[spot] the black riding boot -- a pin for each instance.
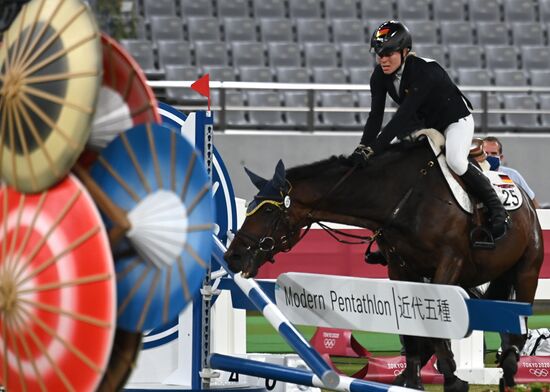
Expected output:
(479, 185)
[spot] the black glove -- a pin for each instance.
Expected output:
(361, 155)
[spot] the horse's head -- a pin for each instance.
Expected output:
(271, 225)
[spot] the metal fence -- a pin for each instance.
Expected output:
(313, 88)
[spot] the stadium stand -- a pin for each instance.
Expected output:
(240, 29)
(276, 30)
(331, 75)
(423, 31)
(293, 75)
(338, 120)
(232, 9)
(296, 99)
(196, 8)
(248, 54)
(312, 30)
(159, 8)
(457, 32)
(480, 43)
(465, 56)
(445, 10)
(527, 33)
(174, 52)
(341, 9)
(268, 8)
(304, 8)
(256, 74)
(408, 10)
(544, 100)
(203, 29)
(492, 33)
(348, 30)
(166, 27)
(267, 99)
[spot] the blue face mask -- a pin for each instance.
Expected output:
(494, 162)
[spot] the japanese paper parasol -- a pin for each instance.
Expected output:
(125, 98)
(155, 176)
(57, 290)
(50, 72)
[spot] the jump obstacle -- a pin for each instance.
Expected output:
(197, 127)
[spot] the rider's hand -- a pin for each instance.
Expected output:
(361, 155)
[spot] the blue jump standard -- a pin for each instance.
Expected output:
(330, 379)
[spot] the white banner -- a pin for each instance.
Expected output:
(376, 305)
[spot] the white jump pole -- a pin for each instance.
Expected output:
(252, 290)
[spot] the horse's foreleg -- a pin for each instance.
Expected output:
(448, 273)
(417, 352)
(501, 289)
(447, 366)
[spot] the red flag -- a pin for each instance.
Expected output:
(202, 86)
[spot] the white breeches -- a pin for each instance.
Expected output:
(458, 139)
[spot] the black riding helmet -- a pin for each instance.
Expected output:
(390, 36)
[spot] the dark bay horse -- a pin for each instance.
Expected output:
(403, 197)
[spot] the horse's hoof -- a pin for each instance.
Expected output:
(509, 365)
(457, 385)
(401, 380)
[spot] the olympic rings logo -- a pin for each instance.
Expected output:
(397, 372)
(539, 372)
(329, 343)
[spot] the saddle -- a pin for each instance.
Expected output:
(508, 193)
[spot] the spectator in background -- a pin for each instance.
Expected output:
(493, 148)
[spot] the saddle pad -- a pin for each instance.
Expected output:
(437, 141)
(507, 191)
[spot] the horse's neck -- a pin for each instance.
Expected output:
(363, 199)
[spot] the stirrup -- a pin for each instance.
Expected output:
(507, 223)
(481, 238)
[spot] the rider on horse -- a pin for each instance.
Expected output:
(427, 98)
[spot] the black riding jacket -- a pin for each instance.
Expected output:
(428, 98)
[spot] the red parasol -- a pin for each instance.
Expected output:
(57, 290)
(125, 98)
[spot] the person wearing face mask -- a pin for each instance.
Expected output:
(493, 149)
(427, 98)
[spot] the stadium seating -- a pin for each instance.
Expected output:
(348, 30)
(239, 29)
(255, 74)
(480, 42)
(312, 30)
(232, 9)
(196, 8)
(268, 8)
(338, 120)
(445, 10)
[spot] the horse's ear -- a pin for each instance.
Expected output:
(258, 181)
(279, 178)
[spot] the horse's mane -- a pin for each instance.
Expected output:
(336, 162)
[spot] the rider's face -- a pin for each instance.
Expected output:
(390, 62)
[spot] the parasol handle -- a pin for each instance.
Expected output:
(116, 214)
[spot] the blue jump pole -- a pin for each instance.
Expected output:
(293, 375)
(329, 378)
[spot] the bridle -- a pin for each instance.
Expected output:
(266, 245)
